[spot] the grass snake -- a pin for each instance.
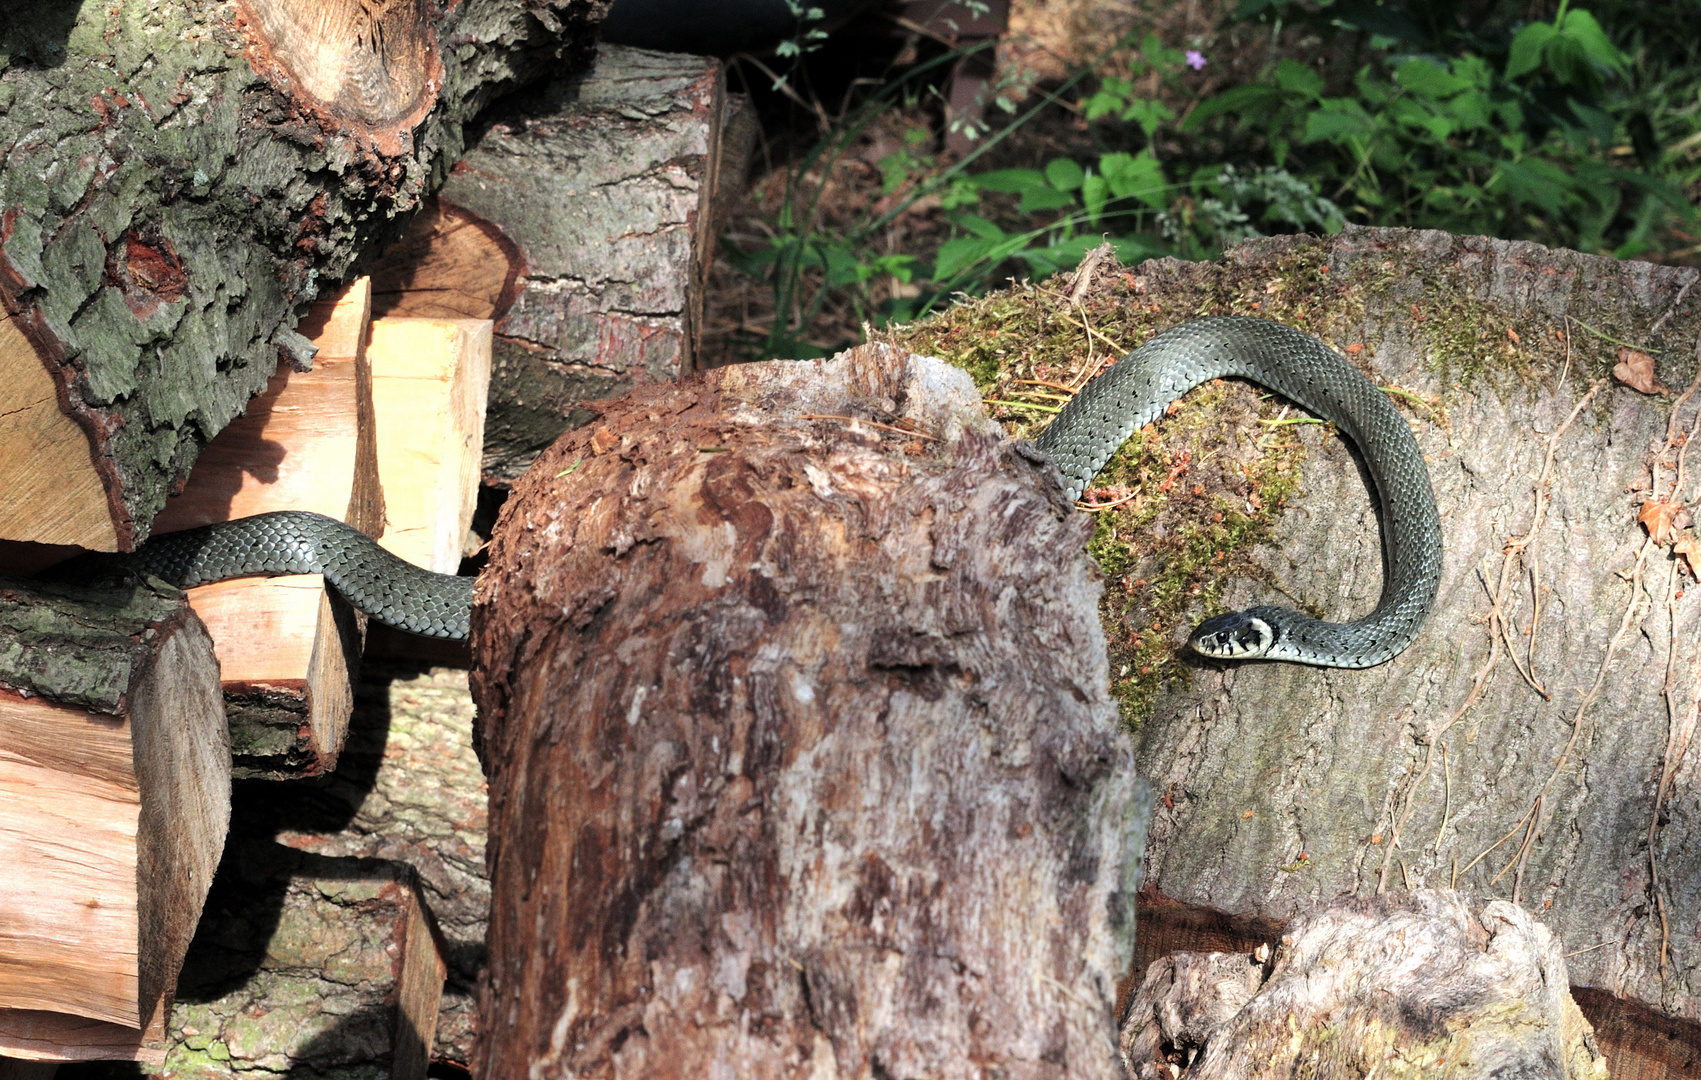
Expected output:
(1080, 440)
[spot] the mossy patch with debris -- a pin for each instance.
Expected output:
(1184, 503)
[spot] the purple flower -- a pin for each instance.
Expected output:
(1195, 59)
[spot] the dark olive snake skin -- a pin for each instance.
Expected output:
(1304, 370)
(387, 588)
(1081, 440)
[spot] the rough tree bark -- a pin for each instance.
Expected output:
(583, 226)
(1421, 982)
(1575, 790)
(178, 178)
(775, 703)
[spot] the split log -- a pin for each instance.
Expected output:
(289, 646)
(409, 789)
(114, 800)
(339, 965)
(1526, 746)
(793, 703)
(583, 227)
(430, 378)
(176, 179)
(1426, 983)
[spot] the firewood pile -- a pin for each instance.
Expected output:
(176, 381)
(785, 741)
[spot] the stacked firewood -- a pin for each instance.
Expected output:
(126, 715)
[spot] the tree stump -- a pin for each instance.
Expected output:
(1425, 983)
(793, 705)
(177, 179)
(1536, 743)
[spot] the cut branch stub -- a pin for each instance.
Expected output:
(783, 669)
(370, 65)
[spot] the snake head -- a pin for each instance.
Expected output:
(1234, 635)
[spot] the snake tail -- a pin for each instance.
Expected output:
(1137, 390)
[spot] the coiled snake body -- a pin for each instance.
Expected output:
(1080, 440)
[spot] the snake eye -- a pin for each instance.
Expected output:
(1223, 637)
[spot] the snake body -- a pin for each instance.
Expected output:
(1080, 440)
(387, 588)
(1296, 365)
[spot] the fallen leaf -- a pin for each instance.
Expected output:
(1656, 516)
(1355, 348)
(1636, 370)
(1513, 334)
(1690, 548)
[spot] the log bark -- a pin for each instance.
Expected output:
(1427, 983)
(782, 670)
(409, 789)
(583, 225)
(114, 800)
(306, 965)
(178, 180)
(1281, 787)
(289, 647)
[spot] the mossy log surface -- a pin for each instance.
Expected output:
(178, 179)
(84, 646)
(1536, 742)
(801, 759)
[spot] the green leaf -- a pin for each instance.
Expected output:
(841, 265)
(1010, 180)
(1337, 119)
(1430, 80)
(1296, 78)
(1569, 63)
(1064, 174)
(1526, 53)
(1239, 99)
(1150, 115)
(956, 254)
(1103, 103)
(1094, 194)
(1140, 177)
(979, 226)
(1044, 198)
(1599, 123)
(1581, 27)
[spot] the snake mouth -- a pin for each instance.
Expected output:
(1232, 636)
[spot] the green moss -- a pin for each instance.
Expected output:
(1194, 495)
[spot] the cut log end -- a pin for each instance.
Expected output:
(363, 65)
(111, 821)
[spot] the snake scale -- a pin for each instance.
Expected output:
(1080, 440)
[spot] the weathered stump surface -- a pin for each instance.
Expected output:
(1422, 982)
(800, 752)
(178, 178)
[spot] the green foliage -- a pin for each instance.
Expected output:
(1505, 130)
(1575, 131)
